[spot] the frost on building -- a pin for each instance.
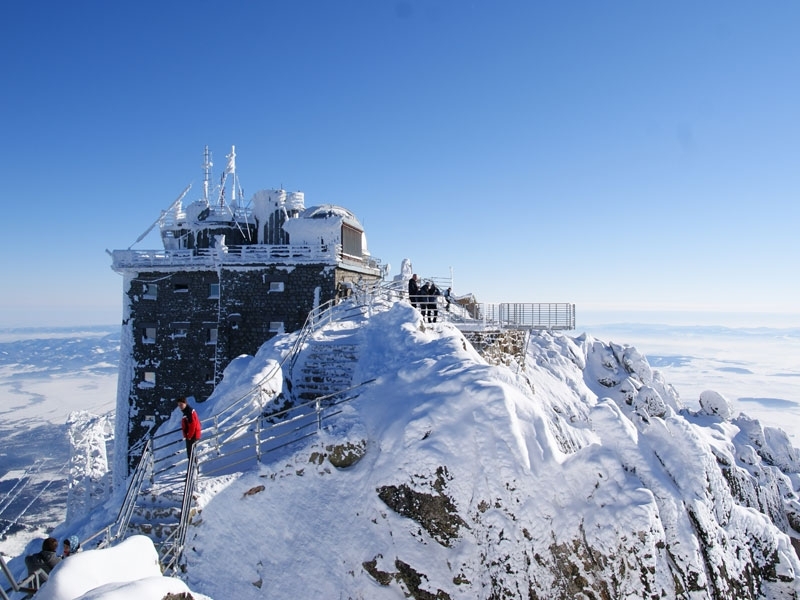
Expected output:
(231, 275)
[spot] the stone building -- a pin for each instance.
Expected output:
(230, 276)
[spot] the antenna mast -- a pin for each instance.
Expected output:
(207, 164)
(231, 168)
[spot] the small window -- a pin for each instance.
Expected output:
(149, 379)
(275, 286)
(149, 335)
(180, 287)
(150, 291)
(213, 291)
(211, 335)
(179, 329)
(276, 326)
(210, 377)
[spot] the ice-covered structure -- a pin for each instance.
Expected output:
(230, 276)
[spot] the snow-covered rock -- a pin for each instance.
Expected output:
(715, 404)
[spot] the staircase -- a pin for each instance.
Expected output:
(157, 513)
(327, 363)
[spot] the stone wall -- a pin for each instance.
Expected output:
(187, 326)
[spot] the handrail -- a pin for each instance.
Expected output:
(28, 585)
(126, 510)
(120, 524)
(318, 404)
(174, 547)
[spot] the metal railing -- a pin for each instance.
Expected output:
(521, 315)
(172, 547)
(247, 254)
(27, 585)
(116, 531)
(244, 442)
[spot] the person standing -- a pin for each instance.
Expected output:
(413, 290)
(447, 298)
(424, 300)
(190, 425)
(433, 303)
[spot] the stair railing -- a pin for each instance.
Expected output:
(263, 434)
(172, 547)
(27, 586)
(134, 488)
(115, 531)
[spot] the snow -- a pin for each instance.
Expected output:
(714, 403)
(587, 446)
(128, 571)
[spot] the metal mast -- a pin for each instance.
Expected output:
(231, 169)
(207, 164)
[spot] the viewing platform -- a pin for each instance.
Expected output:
(253, 254)
(514, 315)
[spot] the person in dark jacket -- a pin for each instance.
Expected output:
(425, 300)
(44, 560)
(433, 302)
(413, 290)
(190, 425)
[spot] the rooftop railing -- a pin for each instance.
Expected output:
(249, 254)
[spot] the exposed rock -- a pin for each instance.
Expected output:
(435, 512)
(346, 455)
(254, 490)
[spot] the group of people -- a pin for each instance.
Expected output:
(425, 298)
(45, 560)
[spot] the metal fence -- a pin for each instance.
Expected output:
(526, 315)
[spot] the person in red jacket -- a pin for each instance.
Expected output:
(190, 425)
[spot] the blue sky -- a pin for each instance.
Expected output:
(622, 155)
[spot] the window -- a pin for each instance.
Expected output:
(276, 326)
(149, 379)
(213, 291)
(211, 369)
(211, 335)
(275, 286)
(180, 286)
(150, 291)
(351, 241)
(179, 329)
(149, 335)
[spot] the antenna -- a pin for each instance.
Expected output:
(175, 204)
(207, 164)
(231, 168)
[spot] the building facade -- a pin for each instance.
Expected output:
(229, 278)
